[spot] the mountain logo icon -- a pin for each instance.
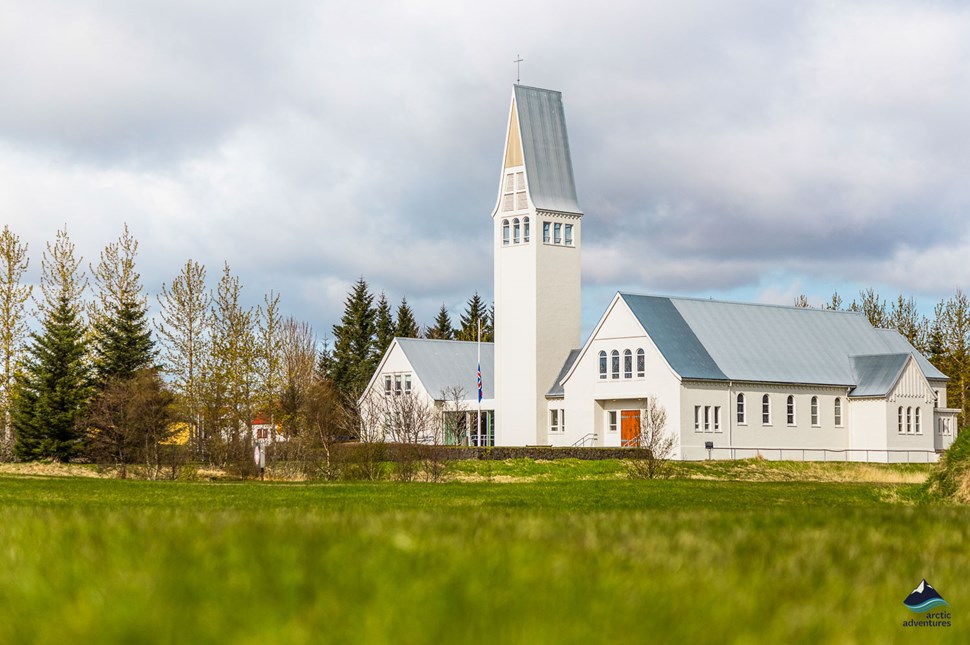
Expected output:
(924, 598)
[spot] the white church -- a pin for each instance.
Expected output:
(735, 380)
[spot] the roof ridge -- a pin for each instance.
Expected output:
(743, 304)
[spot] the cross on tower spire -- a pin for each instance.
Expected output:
(518, 68)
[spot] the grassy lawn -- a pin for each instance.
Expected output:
(572, 557)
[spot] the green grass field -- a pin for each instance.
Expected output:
(577, 556)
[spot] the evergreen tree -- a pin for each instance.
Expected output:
(53, 387)
(873, 308)
(442, 329)
(324, 371)
(407, 326)
(474, 315)
(488, 329)
(905, 318)
(269, 354)
(835, 304)
(13, 324)
(122, 338)
(354, 358)
(384, 326)
(802, 302)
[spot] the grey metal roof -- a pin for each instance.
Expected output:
(441, 364)
(876, 375)
(557, 391)
(545, 145)
(711, 339)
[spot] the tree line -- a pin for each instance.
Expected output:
(943, 338)
(95, 378)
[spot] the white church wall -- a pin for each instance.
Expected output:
(911, 400)
(776, 439)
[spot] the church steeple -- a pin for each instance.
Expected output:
(537, 272)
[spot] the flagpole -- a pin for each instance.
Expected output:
(479, 426)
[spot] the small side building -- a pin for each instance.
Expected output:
(426, 391)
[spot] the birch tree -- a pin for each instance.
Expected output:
(184, 328)
(13, 322)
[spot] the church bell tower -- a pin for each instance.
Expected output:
(537, 236)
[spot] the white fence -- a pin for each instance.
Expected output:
(694, 453)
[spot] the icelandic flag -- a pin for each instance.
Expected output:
(479, 382)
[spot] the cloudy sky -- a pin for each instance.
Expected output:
(750, 150)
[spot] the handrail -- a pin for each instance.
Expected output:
(581, 442)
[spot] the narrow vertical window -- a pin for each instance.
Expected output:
(515, 231)
(612, 420)
(641, 363)
(407, 383)
(602, 365)
(717, 418)
(918, 429)
(791, 410)
(562, 420)
(627, 364)
(525, 229)
(557, 233)
(387, 384)
(707, 418)
(569, 234)
(615, 367)
(553, 420)
(909, 420)
(814, 410)
(900, 419)
(741, 412)
(838, 412)
(397, 384)
(505, 232)
(766, 410)
(697, 418)
(545, 232)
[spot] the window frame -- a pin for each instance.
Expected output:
(567, 238)
(614, 365)
(611, 420)
(554, 420)
(790, 411)
(506, 232)
(741, 409)
(546, 233)
(815, 416)
(627, 364)
(604, 365)
(525, 230)
(766, 410)
(557, 233)
(837, 411)
(697, 418)
(388, 385)
(516, 231)
(641, 363)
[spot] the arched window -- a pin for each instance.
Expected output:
(741, 415)
(627, 364)
(525, 229)
(900, 419)
(615, 359)
(766, 410)
(641, 364)
(602, 365)
(791, 410)
(814, 410)
(909, 420)
(505, 232)
(838, 412)
(918, 430)
(515, 231)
